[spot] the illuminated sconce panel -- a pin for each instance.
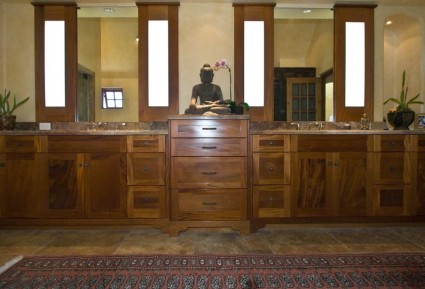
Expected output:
(158, 63)
(54, 63)
(254, 63)
(355, 64)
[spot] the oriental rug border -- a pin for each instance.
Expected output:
(218, 271)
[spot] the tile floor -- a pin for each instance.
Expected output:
(270, 240)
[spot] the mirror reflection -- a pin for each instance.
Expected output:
(303, 57)
(107, 57)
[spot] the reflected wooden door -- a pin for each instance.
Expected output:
(304, 100)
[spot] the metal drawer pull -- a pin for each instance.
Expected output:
(209, 203)
(209, 148)
(209, 128)
(209, 173)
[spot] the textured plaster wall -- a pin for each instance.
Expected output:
(17, 54)
(205, 35)
(396, 50)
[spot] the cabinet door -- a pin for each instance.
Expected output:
(420, 184)
(146, 169)
(21, 185)
(351, 183)
(63, 196)
(271, 168)
(105, 185)
(312, 184)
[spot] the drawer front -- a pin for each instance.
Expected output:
(209, 128)
(332, 143)
(393, 143)
(209, 205)
(270, 143)
(421, 143)
(271, 168)
(86, 144)
(144, 144)
(208, 172)
(146, 169)
(19, 144)
(146, 202)
(392, 168)
(271, 201)
(209, 147)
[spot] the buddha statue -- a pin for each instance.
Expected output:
(209, 94)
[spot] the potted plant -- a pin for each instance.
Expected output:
(402, 116)
(237, 108)
(7, 119)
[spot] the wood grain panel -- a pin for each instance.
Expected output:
(209, 128)
(271, 168)
(146, 202)
(271, 201)
(209, 172)
(332, 143)
(85, 144)
(209, 147)
(146, 169)
(146, 143)
(270, 143)
(210, 204)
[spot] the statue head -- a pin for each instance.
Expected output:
(207, 73)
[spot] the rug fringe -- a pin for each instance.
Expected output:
(10, 264)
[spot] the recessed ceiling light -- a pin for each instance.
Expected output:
(389, 22)
(109, 10)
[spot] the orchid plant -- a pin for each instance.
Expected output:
(224, 64)
(402, 102)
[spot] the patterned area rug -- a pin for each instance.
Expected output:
(216, 272)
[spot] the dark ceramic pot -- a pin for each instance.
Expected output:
(7, 122)
(401, 120)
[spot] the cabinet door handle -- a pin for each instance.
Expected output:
(209, 173)
(209, 203)
(146, 143)
(336, 164)
(271, 169)
(209, 128)
(209, 148)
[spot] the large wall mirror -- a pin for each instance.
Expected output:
(303, 61)
(107, 58)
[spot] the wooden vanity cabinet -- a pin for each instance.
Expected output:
(86, 177)
(20, 182)
(271, 176)
(393, 188)
(418, 154)
(146, 177)
(331, 175)
(209, 165)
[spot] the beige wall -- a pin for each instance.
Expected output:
(205, 35)
(403, 49)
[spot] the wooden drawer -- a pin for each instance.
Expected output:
(19, 144)
(86, 144)
(209, 204)
(146, 169)
(271, 201)
(146, 202)
(209, 128)
(270, 143)
(392, 200)
(209, 147)
(271, 168)
(208, 172)
(392, 143)
(392, 168)
(331, 143)
(146, 143)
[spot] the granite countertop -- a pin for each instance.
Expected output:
(90, 128)
(161, 127)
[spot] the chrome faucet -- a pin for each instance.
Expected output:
(296, 124)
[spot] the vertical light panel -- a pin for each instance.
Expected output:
(54, 63)
(254, 63)
(158, 63)
(354, 64)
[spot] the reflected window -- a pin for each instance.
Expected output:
(112, 97)
(254, 62)
(354, 64)
(54, 63)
